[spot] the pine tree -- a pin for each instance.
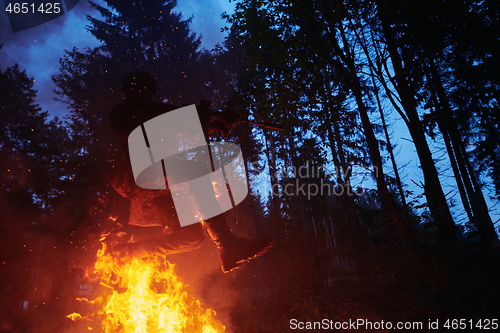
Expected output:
(436, 75)
(151, 37)
(30, 145)
(135, 36)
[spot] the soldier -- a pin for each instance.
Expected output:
(153, 224)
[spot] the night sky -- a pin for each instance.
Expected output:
(323, 70)
(37, 50)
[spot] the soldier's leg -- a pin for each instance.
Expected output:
(184, 239)
(232, 250)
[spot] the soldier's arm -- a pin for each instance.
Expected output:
(216, 122)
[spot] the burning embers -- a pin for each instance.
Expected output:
(143, 295)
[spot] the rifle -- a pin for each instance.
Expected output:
(229, 116)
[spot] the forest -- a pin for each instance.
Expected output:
(357, 238)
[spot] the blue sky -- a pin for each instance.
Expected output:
(37, 50)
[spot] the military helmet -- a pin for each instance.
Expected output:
(138, 81)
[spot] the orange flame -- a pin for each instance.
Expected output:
(145, 295)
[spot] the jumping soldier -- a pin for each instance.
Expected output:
(153, 226)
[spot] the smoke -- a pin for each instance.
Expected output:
(200, 270)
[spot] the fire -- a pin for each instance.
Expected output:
(145, 295)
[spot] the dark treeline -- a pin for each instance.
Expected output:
(330, 72)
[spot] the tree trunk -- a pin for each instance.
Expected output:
(394, 222)
(436, 198)
(477, 202)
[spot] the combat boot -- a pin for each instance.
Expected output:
(233, 251)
